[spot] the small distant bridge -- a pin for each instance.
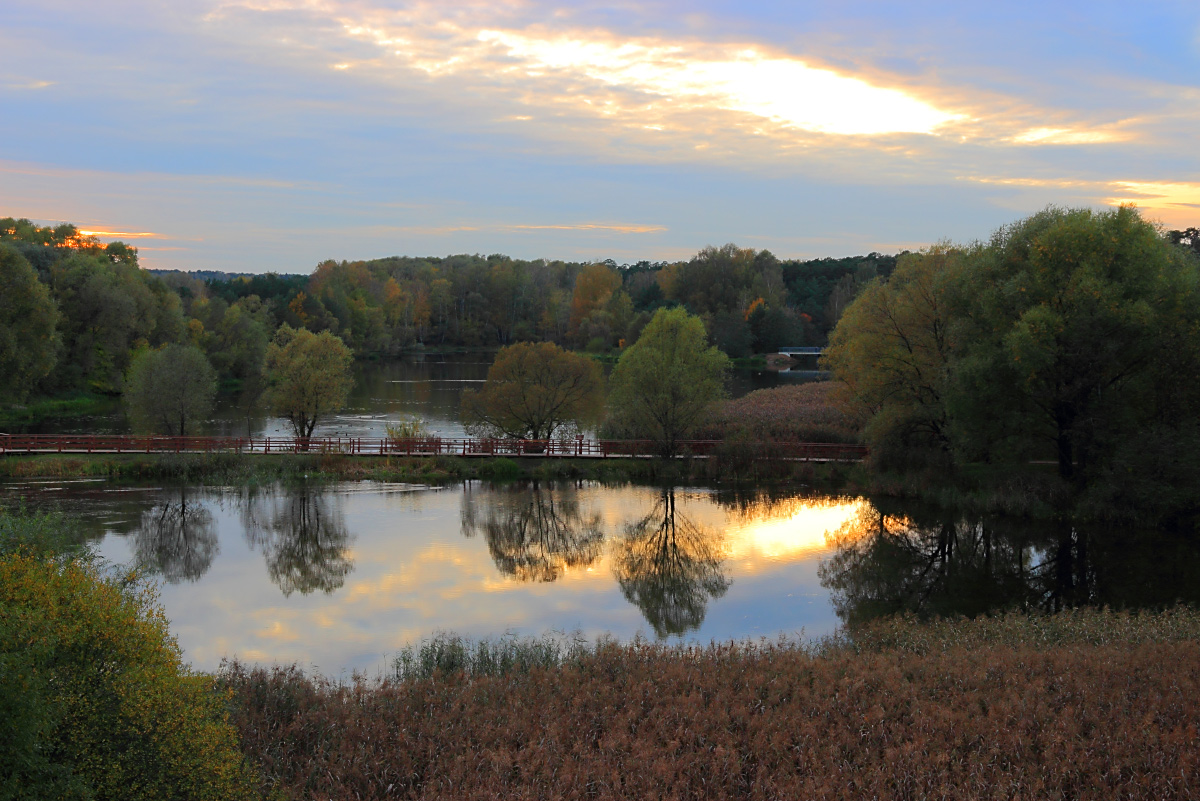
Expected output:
(805, 351)
(420, 446)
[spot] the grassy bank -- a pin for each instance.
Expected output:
(1087, 705)
(232, 468)
(51, 408)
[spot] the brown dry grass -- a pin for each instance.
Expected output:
(813, 412)
(1085, 709)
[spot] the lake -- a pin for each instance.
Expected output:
(427, 386)
(339, 577)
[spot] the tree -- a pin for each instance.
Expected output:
(28, 315)
(667, 382)
(308, 376)
(594, 287)
(96, 699)
(1188, 238)
(534, 390)
(892, 350)
(169, 389)
(1078, 330)
(110, 310)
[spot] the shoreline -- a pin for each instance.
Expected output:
(233, 468)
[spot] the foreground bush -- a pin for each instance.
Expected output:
(94, 700)
(1015, 708)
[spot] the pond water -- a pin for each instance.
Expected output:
(427, 386)
(341, 576)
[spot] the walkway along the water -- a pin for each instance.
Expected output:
(578, 448)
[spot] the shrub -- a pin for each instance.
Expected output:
(43, 533)
(500, 469)
(408, 428)
(100, 704)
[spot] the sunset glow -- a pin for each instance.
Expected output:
(784, 90)
(272, 134)
(120, 234)
(803, 531)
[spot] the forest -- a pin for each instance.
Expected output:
(79, 310)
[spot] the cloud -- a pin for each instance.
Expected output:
(122, 234)
(646, 82)
(18, 84)
(613, 227)
(1066, 136)
(782, 89)
(1170, 202)
(1174, 203)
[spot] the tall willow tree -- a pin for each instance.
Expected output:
(308, 376)
(1076, 332)
(169, 390)
(667, 382)
(892, 350)
(1071, 336)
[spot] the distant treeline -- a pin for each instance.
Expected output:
(101, 307)
(750, 300)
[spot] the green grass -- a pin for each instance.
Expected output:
(446, 654)
(52, 408)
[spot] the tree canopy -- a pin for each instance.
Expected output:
(666, 383)
(1069, 336)
(1067, 320)
(892, 350)
(28, 316)
(534, 391)
(170, 389)
(308, 376)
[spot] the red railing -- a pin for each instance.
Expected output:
(422, 446)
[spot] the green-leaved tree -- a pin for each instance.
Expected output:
(1075, 331)
(308, 376)
(533, 391)
(168, 390)
(666, 384)
(891, 349)
(28, 315)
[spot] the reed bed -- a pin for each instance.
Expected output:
(813, 412)
(1091, 705)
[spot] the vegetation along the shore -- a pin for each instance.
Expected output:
(1052, 371)
(1086, 704)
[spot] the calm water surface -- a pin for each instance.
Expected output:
(341, 576)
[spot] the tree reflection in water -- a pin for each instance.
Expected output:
(177, 538)
(947, 564)
(670, 567)
(302, 535)
(534, 533)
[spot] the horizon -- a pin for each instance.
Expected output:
(254, 136)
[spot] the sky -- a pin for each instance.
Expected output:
(270, 135)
